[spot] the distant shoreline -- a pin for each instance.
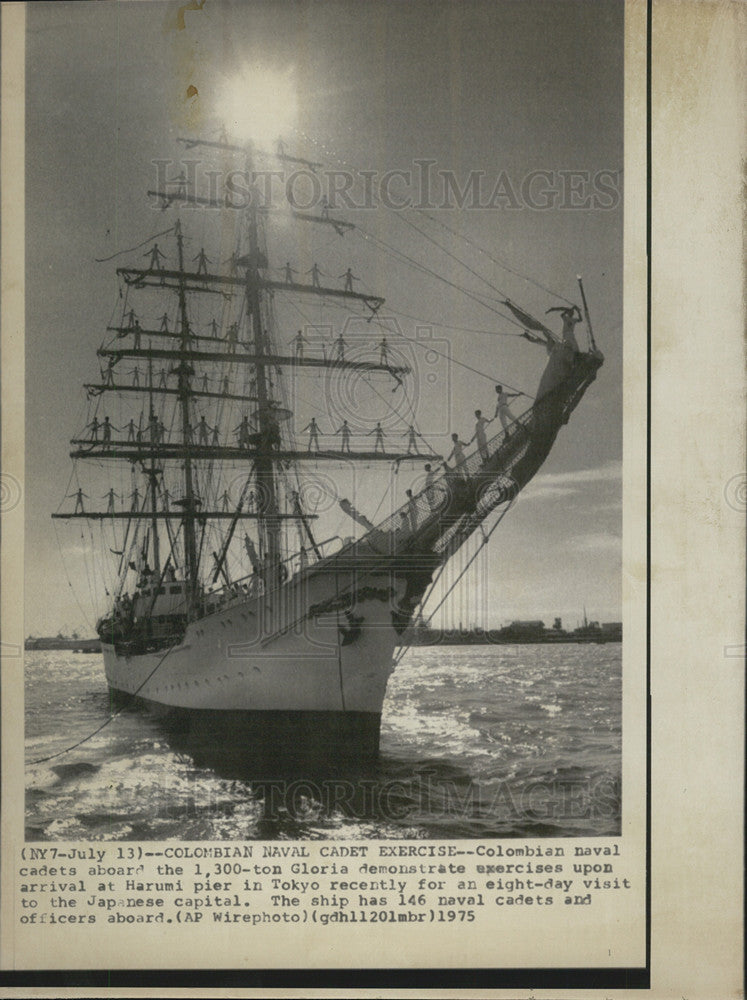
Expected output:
(508, 636)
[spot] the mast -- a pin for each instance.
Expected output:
(184, 372)
(267, 506)
(152, 473)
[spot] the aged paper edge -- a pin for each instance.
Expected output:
(697, 534)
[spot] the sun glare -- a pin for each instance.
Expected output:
(259, 104)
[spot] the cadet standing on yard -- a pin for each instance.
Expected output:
(202, 261)
(243, 432)
(203, 431)
(412, 440)
(106, 430)
(379, 439)
(345, 431)
(349, 279)
(155, 258)
(111, 496)
(314, 272)
(340, 344)
(313, 430)
(79, 500)
(298, 341)
(232, 337)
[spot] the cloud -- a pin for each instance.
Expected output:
(551, 485)
(598, 542)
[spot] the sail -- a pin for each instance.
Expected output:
(529, 321)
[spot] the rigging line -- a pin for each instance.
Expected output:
(480, 249)
(383, 498)
(497, 262)
(451, 360)
(464, 291)
(424, 600)
(457, 329)
(103, 260)
(483, 542)
(69, 581)
(106, 722)
(454, 257)
(379, 321)
(406, 258)
(370, 385)
(428, 322)
(427, 270)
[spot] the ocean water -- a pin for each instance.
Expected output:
(476, 741)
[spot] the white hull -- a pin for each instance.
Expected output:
(292, 662)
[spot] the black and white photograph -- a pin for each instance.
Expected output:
(372, 497)
(324, 420)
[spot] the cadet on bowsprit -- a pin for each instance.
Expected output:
(479, 435)
(502, 408)
(571, 317)
(458, 455)
(430, 492)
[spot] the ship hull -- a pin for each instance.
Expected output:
(241, 698)
(268, 744)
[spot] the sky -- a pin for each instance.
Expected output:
(528, 92)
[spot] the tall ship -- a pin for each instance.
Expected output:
(228, 608)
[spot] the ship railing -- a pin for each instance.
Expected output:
(252, 585)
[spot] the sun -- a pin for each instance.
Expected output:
(258, 104)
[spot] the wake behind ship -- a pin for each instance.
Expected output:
(229, 613)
